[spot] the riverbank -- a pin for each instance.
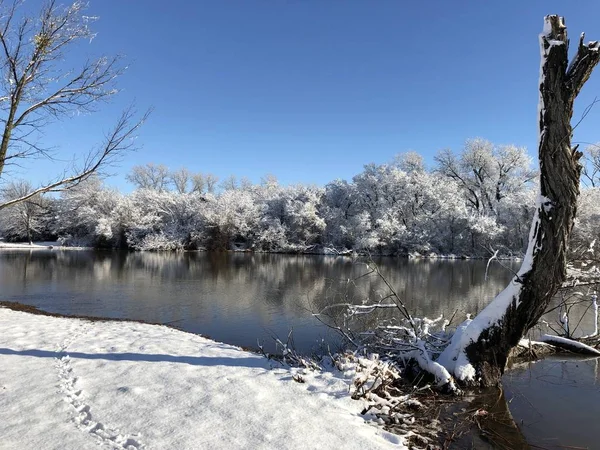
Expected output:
(73, 384)
(41, 245)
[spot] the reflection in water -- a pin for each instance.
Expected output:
(236, 297)
(555, 401)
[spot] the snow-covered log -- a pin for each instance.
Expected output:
(570, 345)
(479, 354)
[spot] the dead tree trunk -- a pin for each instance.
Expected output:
(479, 353)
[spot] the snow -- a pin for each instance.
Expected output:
(76, 384)
(547, 32)
(528, 343)
(42, 245)
(441, 374)
(453, 357)
(546, 203)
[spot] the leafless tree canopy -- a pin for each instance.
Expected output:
(198, 183)
(230, 183)
(211, 182)
(35, 90)
(180, 179)
(150, 176)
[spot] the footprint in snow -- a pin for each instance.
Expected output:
(81, 412)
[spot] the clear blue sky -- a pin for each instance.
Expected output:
(311, 90)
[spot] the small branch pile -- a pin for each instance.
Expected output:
(391, 402)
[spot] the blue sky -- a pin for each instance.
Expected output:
(311, 91)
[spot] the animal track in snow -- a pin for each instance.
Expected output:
(82, 412)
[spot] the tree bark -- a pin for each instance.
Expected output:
(488, 339)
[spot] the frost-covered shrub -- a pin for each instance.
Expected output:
(89, 215)
(160, 241)
(232, 217)
(163, 220)
(585, 240)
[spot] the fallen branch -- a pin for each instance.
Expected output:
(570, 345)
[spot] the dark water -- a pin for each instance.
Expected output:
(240, 298)
(556, 402)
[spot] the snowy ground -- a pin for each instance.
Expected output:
(36, 246)
(76, 384)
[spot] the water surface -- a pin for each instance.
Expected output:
(555, 402)
(237, 298)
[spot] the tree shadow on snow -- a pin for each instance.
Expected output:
(143, 357)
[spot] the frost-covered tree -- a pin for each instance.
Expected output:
(302, 219)
(273, 233)
(585, 241)
(164, 220)
(591, 165)
(439, 217)
(410, 162)
(486, 173)
(269, 180)
(88, 215)
(198, 183)
(21, 220)
(339, 208)
(391, 210)
(514, 217)
(231, 218)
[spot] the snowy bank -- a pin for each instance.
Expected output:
(44, 245)
(76, 384)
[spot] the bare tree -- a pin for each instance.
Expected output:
(35, 90)
(245, 184)
(211, 182)
(230, 183)
(150, 176)
(479, 352)
(198, 183)
(180, 179)
(269, 180)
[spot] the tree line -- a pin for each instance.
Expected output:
(472, 202)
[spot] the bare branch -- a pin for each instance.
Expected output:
(118, 141)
